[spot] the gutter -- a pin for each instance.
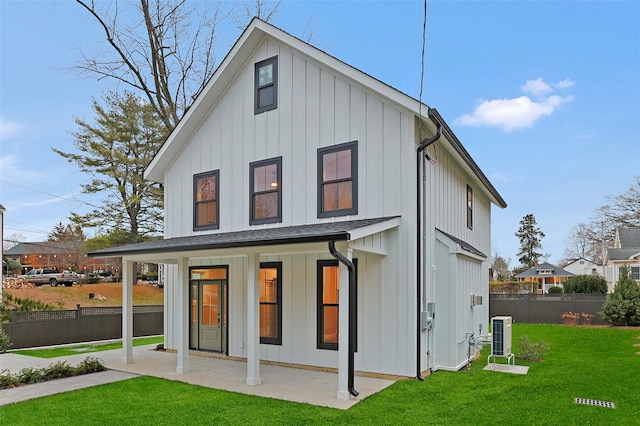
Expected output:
(352, 309)
(419, 272)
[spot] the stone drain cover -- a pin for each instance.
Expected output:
(595, 402)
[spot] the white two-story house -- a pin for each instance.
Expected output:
(318, 218)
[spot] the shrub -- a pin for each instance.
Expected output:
(585, 284)
(532, 351)
(622, 307)
(5, 341)
(55, 371)
(7, 380)
(555, 290)
(31, 375)
(89, 365)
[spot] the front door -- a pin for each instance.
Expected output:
(208, 309)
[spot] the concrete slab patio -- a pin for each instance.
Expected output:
(290, 384)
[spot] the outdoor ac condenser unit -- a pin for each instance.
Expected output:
(501, 336)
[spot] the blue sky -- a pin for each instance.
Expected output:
(545, 96)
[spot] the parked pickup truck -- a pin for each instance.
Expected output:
(52, 277)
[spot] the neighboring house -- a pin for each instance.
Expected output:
(546, 275)
(304, 225)
(583, 267)
(625, 251)
(63, 255)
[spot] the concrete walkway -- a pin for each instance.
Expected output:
(290, 384)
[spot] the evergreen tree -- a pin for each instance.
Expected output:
(115, 151)
(622, 307)
(530, 241)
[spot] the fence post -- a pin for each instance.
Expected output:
(79, 323)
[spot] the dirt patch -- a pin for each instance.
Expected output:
(70, 297)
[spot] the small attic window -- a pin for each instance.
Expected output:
(266, 85)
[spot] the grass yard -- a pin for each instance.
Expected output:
(594, 363)
(85, 348)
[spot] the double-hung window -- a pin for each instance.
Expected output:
(271, 303)
(338, 180)
(266, 85)
(265, 188)
(328, 278)
(469, 207)
(206, 208)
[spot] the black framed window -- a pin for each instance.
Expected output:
(271, 303)
(266, 85)
(328, 296)
(338, 180)
(469, 207)
(265, 187)
(206, 208)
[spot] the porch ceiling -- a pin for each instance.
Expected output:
(286, 239)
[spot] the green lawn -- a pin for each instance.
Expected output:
(84, 348)
(595, 363)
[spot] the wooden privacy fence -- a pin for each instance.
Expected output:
(85, 324)
(574, 309)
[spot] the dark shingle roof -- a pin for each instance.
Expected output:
(318, 232)
(43, 247)
(555, 271)
(464, 245)
(629, 237)
(623, 253)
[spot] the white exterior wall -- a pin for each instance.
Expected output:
(326, 111)
(457, 274)
(322, 111)
(317, 108)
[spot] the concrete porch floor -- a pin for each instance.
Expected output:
(285, 383)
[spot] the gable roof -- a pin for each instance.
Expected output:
(587, 261)
(44, 247)
(319, 232)
(546, 266)
(623, 254)
(629, 237)
(237, 58)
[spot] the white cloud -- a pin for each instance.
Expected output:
(536, 87)
(522, 112)
(565, 84)
(8, 129)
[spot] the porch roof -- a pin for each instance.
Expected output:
(312, 233)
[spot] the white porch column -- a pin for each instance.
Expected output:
(343, 331)
(183, 316)
(253, 319)
(128, 279)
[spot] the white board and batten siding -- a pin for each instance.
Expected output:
(458, 274)
(317, 107)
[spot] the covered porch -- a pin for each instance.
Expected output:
(338, 238)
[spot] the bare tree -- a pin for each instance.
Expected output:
(263, 9)
(584, 242)
(12, 240)
(622, 210)
(70, 242)
(499, 266)
(163, 48)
